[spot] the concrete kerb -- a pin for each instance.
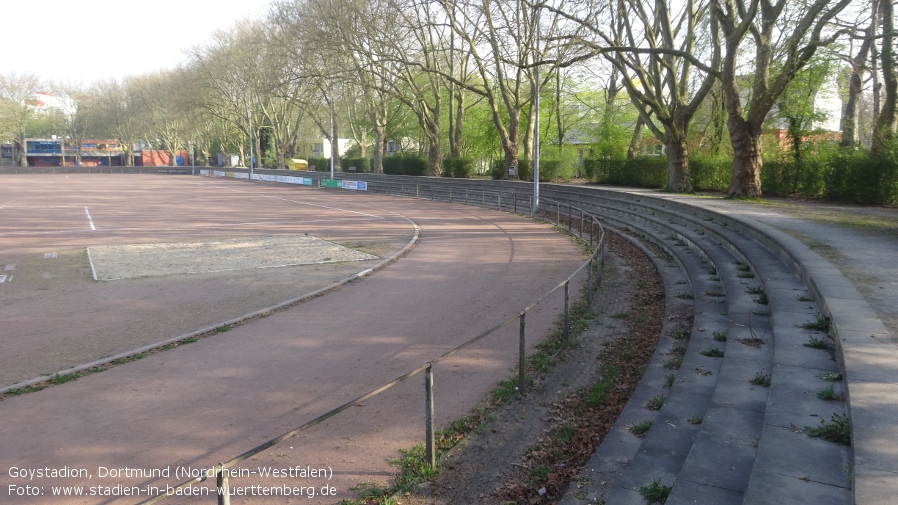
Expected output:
(215, 328)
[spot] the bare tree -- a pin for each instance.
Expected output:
(498, 36)
(117, 114)
(787, 36)
(163, 98)
(16, 91)
(656, 47)
(858, 68)
(229, 70)
(887, 121)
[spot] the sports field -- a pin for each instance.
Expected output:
(97, 265)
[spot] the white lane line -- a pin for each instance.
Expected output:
(90, 260)
(90, 219)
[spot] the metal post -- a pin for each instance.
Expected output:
(522, 351)
(249, 117)
(429, 441)
(536, 144)
(570, 219)
(581, 223)
(221, 480)
(567, 312)
(589, 281)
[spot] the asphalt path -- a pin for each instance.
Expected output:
(199, 404)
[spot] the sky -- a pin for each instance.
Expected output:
(84, 41)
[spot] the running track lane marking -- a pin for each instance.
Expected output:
(90, 219)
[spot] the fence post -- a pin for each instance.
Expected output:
(567, 312)
(428, 417)
(221, 480)
(522, 350)
(581, 223)
(589, 281)
(570, 219)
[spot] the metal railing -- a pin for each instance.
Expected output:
(575, 220)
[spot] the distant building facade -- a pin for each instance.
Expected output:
(57, 152)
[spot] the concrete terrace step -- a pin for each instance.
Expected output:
(749, 446)
(865, 348)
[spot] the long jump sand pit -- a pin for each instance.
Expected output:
(114, 262)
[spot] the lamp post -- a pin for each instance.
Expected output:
(249, 117)
(330, 106)
(536, 121)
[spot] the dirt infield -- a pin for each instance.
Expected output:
(206, 402)
(179, 225)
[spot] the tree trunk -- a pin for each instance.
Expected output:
(433, 156)
(281, 158)
(636, 139)
(511, 160)
(747, 162)
(851, 115)
(455, 129)
(377, 162)
(887, 122)
(678, 177)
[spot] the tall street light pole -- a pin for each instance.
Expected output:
(536, 121)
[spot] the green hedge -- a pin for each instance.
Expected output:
(825, 171)
(641, 172)
(710, 173)
(859, 178)
(320, 164)
(362, 165)
(460, 168)
(400, 164)
(548, 169)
